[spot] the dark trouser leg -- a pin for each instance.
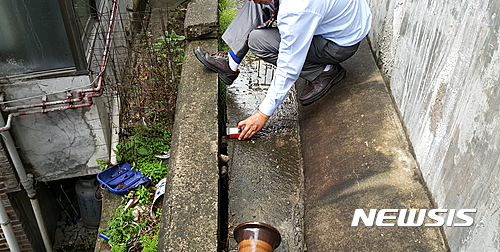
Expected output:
(264, 43)
(324, 52)
(249, 17)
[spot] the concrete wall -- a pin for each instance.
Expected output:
(443, 63)
(59, 144)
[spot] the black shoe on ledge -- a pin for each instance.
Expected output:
(217, 62)
(317, 88)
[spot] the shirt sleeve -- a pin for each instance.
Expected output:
(296, 31)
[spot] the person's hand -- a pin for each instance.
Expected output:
(252, 124)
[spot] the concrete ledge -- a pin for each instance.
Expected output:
(356, 156)
(190, 207)
(201, 20)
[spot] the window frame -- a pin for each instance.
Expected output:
(74, 36)
(76, 45)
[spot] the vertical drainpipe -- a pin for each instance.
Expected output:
(8, 232)
(27, 182)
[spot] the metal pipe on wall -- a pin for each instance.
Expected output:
(7, 230)
(27, 183)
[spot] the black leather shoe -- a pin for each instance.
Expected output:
(217, 62)
(315, 89)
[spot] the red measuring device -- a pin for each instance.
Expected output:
(233, 132)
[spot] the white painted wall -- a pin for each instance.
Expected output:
(443, 63)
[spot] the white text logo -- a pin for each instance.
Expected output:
(410, 218)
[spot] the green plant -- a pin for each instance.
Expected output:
(102, 164)
(130, 148)
(227, 12)
(122, 228)
(142, 147)
(154, 169)
(170, 43)
(150, 244)
(168, 54)
(143, 195)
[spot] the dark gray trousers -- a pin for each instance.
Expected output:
(242, 36)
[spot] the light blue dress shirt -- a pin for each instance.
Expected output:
(345, 22)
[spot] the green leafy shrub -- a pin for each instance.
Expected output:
(142, 147)
(170, 43)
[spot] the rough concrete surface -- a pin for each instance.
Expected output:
(444, 62)
(265, 173)
(202, 20)
(190, 208)
(356, 156)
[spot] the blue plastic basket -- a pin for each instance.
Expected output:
(120, 178)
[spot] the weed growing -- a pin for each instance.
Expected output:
(170, 43)
(169, 49)
(150, 244)
(122, 228)
(143, 196)
(142, 147)
(227, 12)
(103, 165)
